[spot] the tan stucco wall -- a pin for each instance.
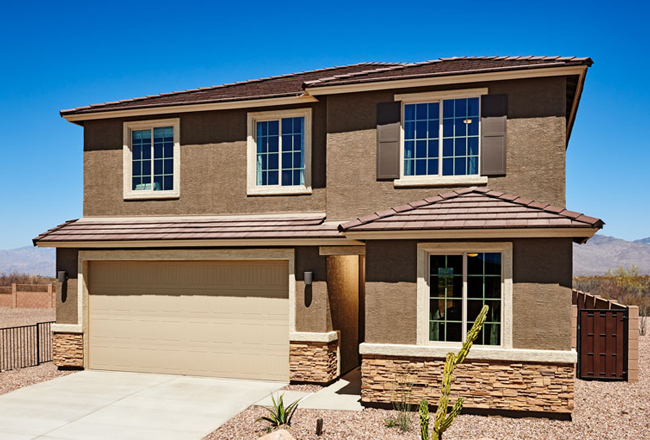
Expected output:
(313, 312)
(343, 286)
(535, 153)
(66, 293)
(541, 293)
(213, 169)
(213, 157)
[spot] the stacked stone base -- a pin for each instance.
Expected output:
(68, 350)
(313, 362)
(493, 385)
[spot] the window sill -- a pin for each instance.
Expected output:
(279, 191)
(476, 353)
(441, 181)
(151, 195)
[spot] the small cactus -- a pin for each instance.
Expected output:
(442, 421)
(424, 419)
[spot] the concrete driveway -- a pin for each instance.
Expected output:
(107, 405)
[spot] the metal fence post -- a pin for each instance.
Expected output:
(38, 344)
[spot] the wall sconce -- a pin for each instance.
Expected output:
(308, 278)
(61, 276)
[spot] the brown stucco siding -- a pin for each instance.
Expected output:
(391, 295)
(541, 293)
(542, 276)
(213, 168)
(66, 293)
(313, 312)
(535, 154)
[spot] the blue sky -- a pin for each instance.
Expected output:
(58, 55)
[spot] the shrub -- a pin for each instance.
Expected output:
(279, 415)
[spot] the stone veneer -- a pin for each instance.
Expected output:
(314, 362)
(494, 385)
(68, 350)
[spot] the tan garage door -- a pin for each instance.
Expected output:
(206, 318)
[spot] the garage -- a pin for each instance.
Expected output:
(206, 318)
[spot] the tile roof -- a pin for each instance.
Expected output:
(294, 84)
(448, 66)
(192, 228)
(271, 87)
(473, 208)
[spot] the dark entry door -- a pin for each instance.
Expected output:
(602, 344)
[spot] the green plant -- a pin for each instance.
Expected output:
(401, 401)
(443, 420)
(279, 415)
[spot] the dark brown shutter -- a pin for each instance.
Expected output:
(494, 118)
(389, 115)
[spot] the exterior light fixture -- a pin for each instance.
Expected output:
(308, 278)
(61, 276)
(472, 255)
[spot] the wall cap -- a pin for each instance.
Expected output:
(313, 336)
(476, 353)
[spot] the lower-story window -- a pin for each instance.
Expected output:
(459, 286)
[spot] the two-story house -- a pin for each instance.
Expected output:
(298, 226)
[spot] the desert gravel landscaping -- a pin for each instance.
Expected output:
(604, 410)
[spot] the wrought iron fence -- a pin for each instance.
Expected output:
(25, 346)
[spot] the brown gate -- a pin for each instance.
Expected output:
(602, 344)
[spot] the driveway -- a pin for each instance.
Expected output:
(108, 405)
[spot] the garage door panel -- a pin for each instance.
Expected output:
(215, 318)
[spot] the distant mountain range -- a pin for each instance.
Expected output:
(602, 253)
(29, 260)
(593, 258)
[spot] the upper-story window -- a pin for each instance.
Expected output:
(441, 138)
(151, 159)
(279, 151)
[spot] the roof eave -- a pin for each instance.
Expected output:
(77, 117)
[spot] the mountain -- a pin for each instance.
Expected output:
(29, 260)
(602, 253)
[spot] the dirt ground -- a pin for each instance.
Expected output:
(17, 317)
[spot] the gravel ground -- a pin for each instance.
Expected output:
(17, 317)
(604, 411)
(14, 379)
(305, 388)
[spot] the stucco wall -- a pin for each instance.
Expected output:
(213, 168)
(343, 286)
(66, 293)
(213, 157)
(541, 293)
(535, 152)
(313, 312)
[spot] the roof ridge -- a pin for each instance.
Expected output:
(225, 85)
(500, 195)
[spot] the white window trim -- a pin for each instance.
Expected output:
(252, 188)
(129, 192)
(426, 249)
(439, 180)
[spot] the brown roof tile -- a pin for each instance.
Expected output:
(449, 66)
(295, 84)
(196, 228)
(473, 208)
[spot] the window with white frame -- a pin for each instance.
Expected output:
(459, 286)
(454, 281)
(152, 159)
(441, 137)
(279, 152)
